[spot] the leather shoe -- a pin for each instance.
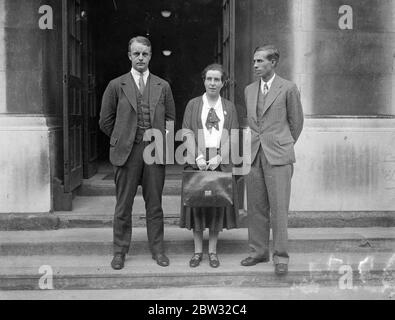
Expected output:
(251, 261)
(196, 259)
(281, 269)
(118, 261)
(213, 258)
(161, 260)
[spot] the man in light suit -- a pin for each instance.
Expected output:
(275, 118)
(132, 104)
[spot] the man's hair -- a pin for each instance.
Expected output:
(140, 39)
(273, 52)
(215, 67)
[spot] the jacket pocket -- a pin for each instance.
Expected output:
(284, 141)
(113, 141)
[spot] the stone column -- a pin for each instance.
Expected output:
(30, 106)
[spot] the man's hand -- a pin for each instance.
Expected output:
(214, 162)
(201, 163)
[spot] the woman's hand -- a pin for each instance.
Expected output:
(214, 162)
(201, 163)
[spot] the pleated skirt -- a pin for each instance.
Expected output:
(214, 219)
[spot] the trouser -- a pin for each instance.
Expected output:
(268, 196)
(127, 180)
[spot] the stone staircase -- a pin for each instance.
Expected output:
(95, 203)
(328, 249)
(80, 259)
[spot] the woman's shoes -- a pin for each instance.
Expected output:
(196, 259)
(213, 258)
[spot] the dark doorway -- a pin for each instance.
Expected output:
(192, 33)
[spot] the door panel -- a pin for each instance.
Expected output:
(91, 117)
(73, 95)
(228, 47)
(228, 61)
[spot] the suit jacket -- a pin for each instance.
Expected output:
(281, 124)
(118, 116)
(193, 125)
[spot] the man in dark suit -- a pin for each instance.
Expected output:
(275, 118)
(132, 104)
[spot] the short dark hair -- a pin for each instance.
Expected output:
(273, 52)
(140, 39)
(215, 67)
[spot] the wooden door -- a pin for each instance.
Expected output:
(228, 46)
(228, 61)
(91, 117)
(72, 94)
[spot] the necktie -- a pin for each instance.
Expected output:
(265, 89)
(141, 83)
(212, 120)
(260, 106)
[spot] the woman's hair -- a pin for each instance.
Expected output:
(215, 67)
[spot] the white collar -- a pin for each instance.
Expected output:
(269, 83)
(135, 73)
(218, 104)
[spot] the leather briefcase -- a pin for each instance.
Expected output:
(207, 188)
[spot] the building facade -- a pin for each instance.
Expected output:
(56, 57)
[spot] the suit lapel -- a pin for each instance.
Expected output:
(252, 99)
(274, 91)
(227, 114)
(155, 91)
(128, 89)
(200, 133)
(226, 110)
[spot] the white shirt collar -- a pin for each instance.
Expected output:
(217, 106)
(269, 83)
(136, 75)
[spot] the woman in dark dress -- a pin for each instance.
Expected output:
(209, 115)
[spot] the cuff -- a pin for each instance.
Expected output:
(199, 157)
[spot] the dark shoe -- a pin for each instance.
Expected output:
(251, 261)
(281, 269)
(118, 261)
(161, 260)
(213, 258)
(196, 259)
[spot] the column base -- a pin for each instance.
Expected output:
(28, 161)
(345, 165)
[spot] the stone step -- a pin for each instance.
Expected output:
(107, 188)
(144, 299)
(306, 270)
(90, 241)
(98, 212)
(102, 183)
